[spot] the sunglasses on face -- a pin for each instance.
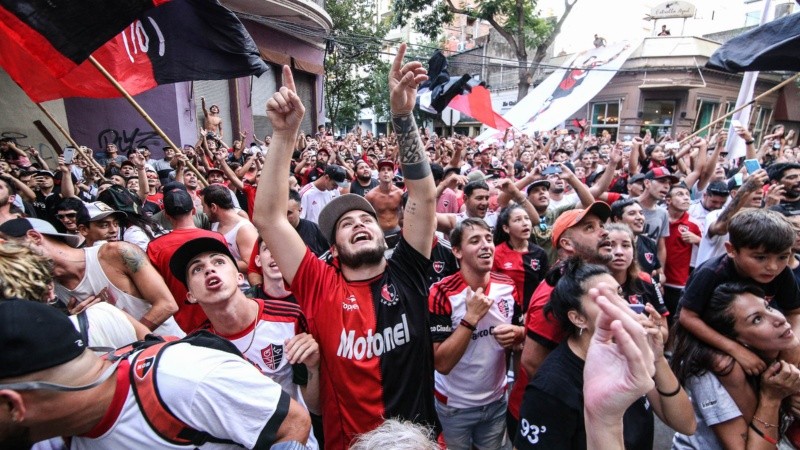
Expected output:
(70, 216)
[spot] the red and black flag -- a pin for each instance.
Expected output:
(180, 40)
(478, 105)
(62, 34)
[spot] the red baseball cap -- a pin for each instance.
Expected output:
(659, 173)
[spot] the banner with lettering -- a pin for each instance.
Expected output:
(566, 90)
(179, 40)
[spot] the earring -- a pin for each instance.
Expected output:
(580, 331)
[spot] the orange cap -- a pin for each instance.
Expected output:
(569, 219)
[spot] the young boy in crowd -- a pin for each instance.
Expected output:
(758, 252)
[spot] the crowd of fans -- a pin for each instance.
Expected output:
(553, 290)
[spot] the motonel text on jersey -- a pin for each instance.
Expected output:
(373, 344)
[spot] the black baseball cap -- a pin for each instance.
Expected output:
(190, 249)
(337, 174)
(337, 208)
(177, 200)
(35, 337)
(718, 188)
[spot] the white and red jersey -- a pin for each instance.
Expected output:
(263, 344)
(479, 377)
(210, 390)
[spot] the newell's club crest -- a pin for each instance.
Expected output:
(388, 295)
(502, 305)
(438, 266)
(649, 257)
(143, 366)
(272, 355)
(535, 264)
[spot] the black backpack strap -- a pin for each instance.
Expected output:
(83, 324)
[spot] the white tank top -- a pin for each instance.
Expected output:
(95, 280)
(230, 238)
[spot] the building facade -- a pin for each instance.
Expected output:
(289, 32)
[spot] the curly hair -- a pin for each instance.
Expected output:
(24, 273)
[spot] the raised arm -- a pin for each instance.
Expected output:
(753, 184)
(285, 112)
(581, 190)
(235, 181)
(420, 212)
(601, 186)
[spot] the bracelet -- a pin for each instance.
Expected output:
(669, 394)
(749, 142)
(466, 324)
(768, 425)
(148, 323)
(769, 439)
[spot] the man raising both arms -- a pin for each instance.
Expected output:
(368, 314)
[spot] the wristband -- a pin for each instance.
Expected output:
(749, 142)
(669, 394)
(769, 439)
(466, 324)
(149, 324)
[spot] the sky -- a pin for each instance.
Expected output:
(617, 20)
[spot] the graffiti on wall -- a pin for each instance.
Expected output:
(45, 150)
(127, 140)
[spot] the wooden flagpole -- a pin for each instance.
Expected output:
(146, 117)
(751, 102)
(89, 159)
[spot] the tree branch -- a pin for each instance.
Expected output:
(541, 49)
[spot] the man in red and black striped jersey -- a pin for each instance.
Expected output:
(271, 334)
(369, 314)
(471, 325)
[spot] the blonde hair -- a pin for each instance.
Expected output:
(24, 273)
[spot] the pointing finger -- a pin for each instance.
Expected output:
(288, 78)
(398, 58)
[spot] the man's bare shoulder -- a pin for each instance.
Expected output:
(123, 255)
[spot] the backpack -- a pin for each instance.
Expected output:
(143, 371)
(121, 199)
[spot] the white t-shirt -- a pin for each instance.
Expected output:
(710, 246)
(490, 218)
(108, 326)
(209, 390)
(313, 200)
(567, 199)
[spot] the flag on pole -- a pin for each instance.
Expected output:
(478, 105)
(180, 40)
(566, 90)
(61, 35)
(735, 146)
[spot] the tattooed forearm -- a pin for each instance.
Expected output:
(133, 258)
(412, 154)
